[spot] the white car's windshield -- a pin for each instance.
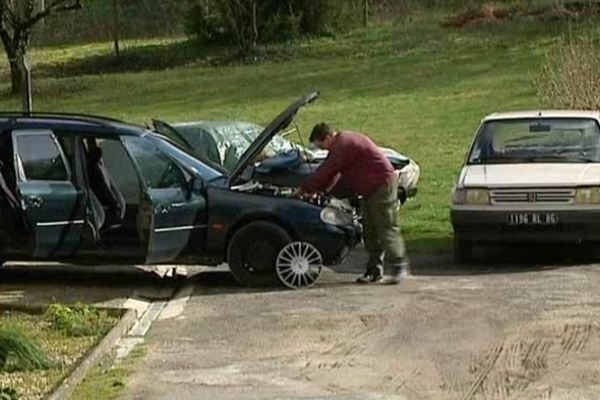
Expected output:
(542, 140)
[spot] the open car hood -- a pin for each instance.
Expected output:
(280, 123)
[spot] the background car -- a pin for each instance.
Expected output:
(282, 162)
(87, 189)
(529, 177)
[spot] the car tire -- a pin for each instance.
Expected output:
(253, 251)
(463, 250)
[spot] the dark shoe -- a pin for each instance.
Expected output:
(369, 278)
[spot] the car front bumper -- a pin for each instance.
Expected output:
(493, 226)
(333, 241)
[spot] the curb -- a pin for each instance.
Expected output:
(79, 371)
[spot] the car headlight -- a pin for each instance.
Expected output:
(471, 196)
(333, 216)
(588, 195)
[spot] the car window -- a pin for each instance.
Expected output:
(537, 140)
(206, 170)
(121, 168)
(40, 157)
(157, 169)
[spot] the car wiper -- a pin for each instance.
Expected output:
(581, 159)
(500, 160)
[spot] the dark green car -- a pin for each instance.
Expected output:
(86, 189)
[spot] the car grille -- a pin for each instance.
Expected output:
(529, 196)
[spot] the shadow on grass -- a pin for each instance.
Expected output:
(163, 56)
(42, 284)
(150, 57)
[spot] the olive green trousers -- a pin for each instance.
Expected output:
(382, 236)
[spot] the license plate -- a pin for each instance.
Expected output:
(517, 219)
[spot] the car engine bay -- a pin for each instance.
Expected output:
(318, 199)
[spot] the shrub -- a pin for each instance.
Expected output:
(8, 393)
(78, 320)
(20, 353)
(570, 75)
(207, 26)
(238, 21)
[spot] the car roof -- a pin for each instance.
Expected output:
(67, 120)
(543, 114)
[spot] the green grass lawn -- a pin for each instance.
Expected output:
(415, 86)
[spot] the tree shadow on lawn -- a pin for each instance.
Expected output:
(395, 75)
(148, 57)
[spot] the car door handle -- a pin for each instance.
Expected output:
(162, 209)
(36, 201)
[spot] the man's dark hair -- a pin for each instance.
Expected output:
(320, 132)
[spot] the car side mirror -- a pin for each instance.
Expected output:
(195, 185)
(248, 173)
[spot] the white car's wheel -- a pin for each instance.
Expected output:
(299, 265)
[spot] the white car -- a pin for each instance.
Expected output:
(529, 177)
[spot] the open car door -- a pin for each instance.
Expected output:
(172, 216)
(52, 204)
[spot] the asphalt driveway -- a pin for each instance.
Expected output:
(512, 329)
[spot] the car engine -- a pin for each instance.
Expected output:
(266, 189)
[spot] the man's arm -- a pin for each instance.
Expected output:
(325, 174)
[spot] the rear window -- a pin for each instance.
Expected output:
(41, 158)
(542, 140)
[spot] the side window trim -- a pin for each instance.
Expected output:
(21, 177)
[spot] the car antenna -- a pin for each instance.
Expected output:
(304, 147)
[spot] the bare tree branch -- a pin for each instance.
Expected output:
(54, 7)
(17, 18)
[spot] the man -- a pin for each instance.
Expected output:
(369, 174)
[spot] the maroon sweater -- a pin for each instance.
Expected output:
(359, 161)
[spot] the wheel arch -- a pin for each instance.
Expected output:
(259, 217)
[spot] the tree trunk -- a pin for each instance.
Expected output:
(15, 76)
(366, 13)
(254, 25)
(116, 28)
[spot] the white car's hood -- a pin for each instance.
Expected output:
(530, 175)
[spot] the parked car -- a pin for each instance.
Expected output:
(282, 162)
(88, 189)
(529, 177)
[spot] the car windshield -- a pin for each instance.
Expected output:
(541, 140)
(205, 171)
(225, 143)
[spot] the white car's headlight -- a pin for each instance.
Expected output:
(588, 195)
(471, 196)
(333, 216)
